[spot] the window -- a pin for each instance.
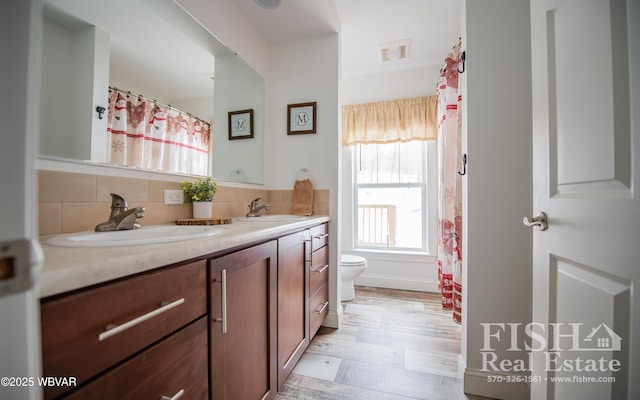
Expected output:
(390, 194)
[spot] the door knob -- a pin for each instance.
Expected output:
(539, 221)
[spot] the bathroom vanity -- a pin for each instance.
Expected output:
(225, 317)
(303, 271)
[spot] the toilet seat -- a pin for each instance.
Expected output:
(349, 260)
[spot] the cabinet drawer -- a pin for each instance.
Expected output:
(176, 364)
(78, 338)
(319, 273)
(319, 236)
(319, 309)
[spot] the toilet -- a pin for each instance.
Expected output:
(351, 267)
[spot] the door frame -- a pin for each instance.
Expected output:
(21, 21)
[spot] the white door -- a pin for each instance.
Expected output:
(19, 251)
(586, 144)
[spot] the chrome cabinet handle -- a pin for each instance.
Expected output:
(224, 302)
(323, 307)
(112, 330)
(175, 396)
(321, 236)
(321, 270)
(539, 221)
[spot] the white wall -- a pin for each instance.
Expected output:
(306, 71)
(402, 84)
(498, 187)
(238, 87)
(303, 71)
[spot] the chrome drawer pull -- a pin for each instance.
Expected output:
(224, 302)
(321, 236)
(175, 396)
(321, 270)
(323, 307)
(112, 330)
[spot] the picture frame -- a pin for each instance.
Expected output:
(301, 118)
(241, 124)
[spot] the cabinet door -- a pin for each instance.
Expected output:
(293, 303)
(243, 318)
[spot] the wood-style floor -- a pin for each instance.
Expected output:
(392, 345)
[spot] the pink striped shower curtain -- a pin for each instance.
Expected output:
(143, 134)
(450, 187)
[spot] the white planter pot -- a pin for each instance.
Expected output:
(202, 209)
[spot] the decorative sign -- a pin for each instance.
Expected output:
(301, 118)
(240, 124)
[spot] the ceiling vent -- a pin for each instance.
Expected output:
(398, 50)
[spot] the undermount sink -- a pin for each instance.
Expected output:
(272, 218)
(144, 235)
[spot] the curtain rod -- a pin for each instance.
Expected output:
(140, 96)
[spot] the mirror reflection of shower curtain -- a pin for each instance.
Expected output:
(147, 135)
(450, 186)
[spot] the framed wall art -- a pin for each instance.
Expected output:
(301, 118)
(241, 124)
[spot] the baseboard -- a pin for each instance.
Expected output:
(462, 366)
(494, 385)
(333, 319)
(390, 282)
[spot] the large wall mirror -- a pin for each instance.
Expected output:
(152, 50)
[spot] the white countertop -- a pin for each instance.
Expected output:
(70, 268)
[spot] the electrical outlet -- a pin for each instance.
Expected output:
(173, 196)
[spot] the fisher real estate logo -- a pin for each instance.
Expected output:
(566, 347)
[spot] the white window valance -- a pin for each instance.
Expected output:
(390, 121)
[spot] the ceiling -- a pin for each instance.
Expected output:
(432, 26)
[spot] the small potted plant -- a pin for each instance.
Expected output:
(200, 192)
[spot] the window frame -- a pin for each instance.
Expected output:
(424, 201)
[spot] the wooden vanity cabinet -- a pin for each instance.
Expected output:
(303, 294)
(318, 278)
(243, 323)
(225, 328)
(88, 332)
(293, 301)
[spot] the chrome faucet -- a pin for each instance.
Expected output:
(254, 210)
(121, 218)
